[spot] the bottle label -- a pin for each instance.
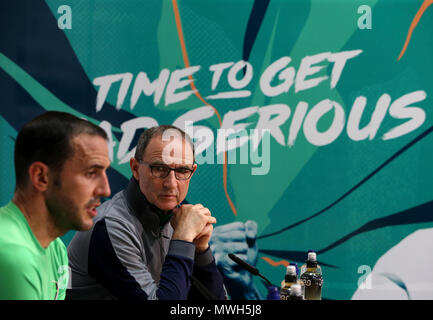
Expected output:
(284, 294)
(313, 286)
(315, 282)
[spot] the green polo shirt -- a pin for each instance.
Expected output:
(28, 270)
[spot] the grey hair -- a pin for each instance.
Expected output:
(148, 134)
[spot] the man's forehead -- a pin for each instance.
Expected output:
(90, 147)
(174, 150)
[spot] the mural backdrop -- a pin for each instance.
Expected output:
(312, 120)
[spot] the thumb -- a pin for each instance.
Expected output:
(251, 229)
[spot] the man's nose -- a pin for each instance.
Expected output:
(104, 187)
(170, 180)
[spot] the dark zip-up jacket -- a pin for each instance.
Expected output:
(128, 255)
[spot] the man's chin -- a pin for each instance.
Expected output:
(84, 225)
(167, 206)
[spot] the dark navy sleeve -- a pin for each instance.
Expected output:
(206, 271)
(175, 280)
(115, 261)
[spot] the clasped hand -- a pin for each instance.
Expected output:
(193, 223)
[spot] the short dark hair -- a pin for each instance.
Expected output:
(47, 138)
(148, 134)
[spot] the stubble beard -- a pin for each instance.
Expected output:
(63, 211)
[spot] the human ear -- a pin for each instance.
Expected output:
(133, 163)
(38, 175)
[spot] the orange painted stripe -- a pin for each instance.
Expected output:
(197, 94)
(273, 263)
(185, 57)
(414, 23)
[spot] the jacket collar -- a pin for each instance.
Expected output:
(149, 215)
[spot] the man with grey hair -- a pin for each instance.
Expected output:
(147, 242)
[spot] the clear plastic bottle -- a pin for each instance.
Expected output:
(289, 280)
(299, 281)
(312, 278)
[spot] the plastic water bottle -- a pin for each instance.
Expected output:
(300, 282)
(289, 279)
(312, 278)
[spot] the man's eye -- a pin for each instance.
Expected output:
(160, 168)
(91, 173)
(183, 170)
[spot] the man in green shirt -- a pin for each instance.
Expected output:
(60, 168)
